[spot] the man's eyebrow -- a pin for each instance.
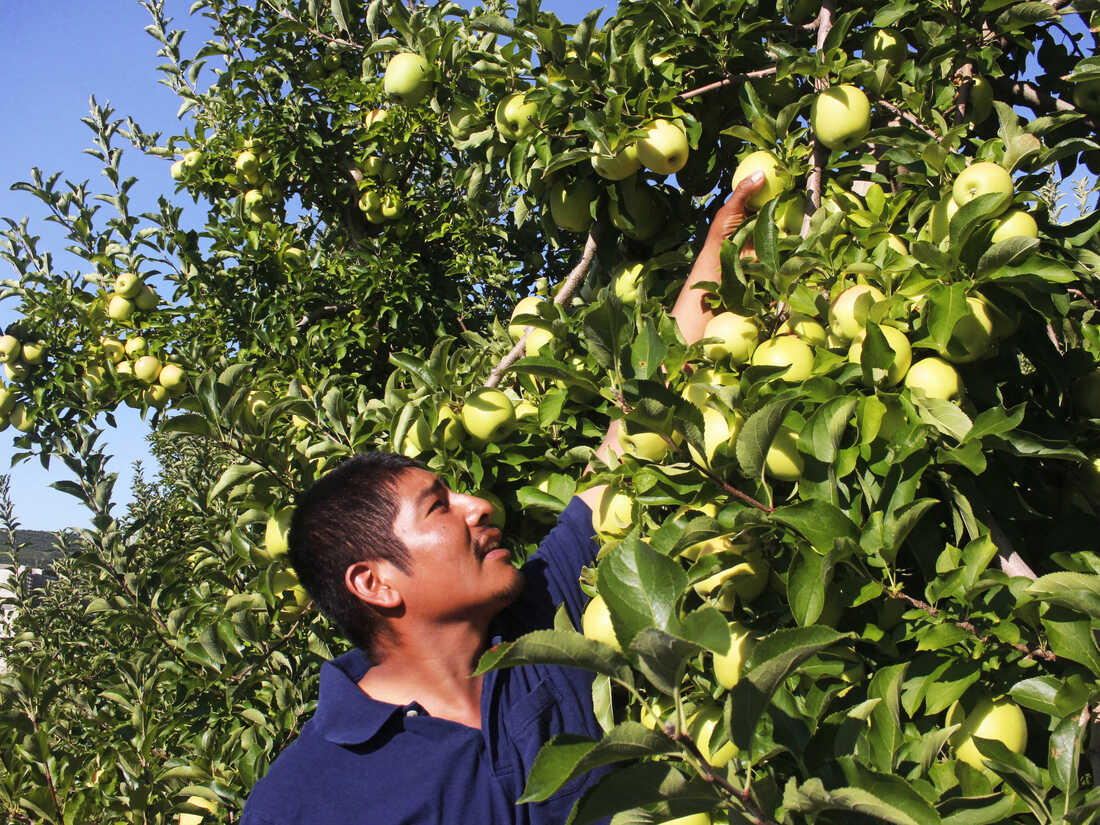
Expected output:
(431, 491)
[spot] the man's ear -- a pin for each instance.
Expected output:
(370, 582)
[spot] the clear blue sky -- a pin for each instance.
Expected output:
(53, 56)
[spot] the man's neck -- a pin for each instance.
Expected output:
(431, 668)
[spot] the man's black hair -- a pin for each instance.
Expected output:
(345, 517)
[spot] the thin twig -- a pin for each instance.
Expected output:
(908, 116)
(718, 84)
(565, 293)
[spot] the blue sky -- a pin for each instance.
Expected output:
(53, 57)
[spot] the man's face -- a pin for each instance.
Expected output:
(457, 569)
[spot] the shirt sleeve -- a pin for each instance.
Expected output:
(551, 574)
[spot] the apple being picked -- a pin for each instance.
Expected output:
(840, 116)
(408, 78)
(777, 179)
(515, 117)
(664, 148)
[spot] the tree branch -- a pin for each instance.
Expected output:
(907, 116)
(565, 292)
(815, 182)
(718, 84)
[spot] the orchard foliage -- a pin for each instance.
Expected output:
(815, 588)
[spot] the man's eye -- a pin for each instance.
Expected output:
(440, 503)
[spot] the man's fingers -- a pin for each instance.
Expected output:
(747, 188)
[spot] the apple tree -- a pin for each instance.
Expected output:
(849, 566)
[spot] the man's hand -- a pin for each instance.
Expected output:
(690, 312)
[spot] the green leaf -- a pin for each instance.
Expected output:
(641, 588)
(809, 576)
(341, 13)
(1077, 591)
(765, 237)
(827, 426)
(1071, 636)
(812, 798)
(567, 756)
(661, 657)
(757, 434)
(555, 647)
(820, 522)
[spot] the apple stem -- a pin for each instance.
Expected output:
(565, 293)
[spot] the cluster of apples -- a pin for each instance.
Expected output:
(19, 359)
(131, 294)
(131, 360)
(379, 198)
(260, 192)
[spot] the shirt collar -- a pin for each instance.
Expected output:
(345, 714)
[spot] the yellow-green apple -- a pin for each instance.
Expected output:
(596, 623)
(113, 349)
(171, 376)
(488, 416)
(896, 340)
(982, 178)
(618, 166)
(34, 352)
(7, 400)
(128, 284)
(727, 666)
(972, 336)
(254, 207)
(886, 44)
(702, 384)
(393, 207)
(801, 12)
(16, 370)
(777, 179)
(187, 818)
(690, 819)
(147, 368)
(848, 313)
(294, 256)
(935, 378)
(258, 401)
(147, 299)
(20, 417)
(1086, 96)
(408, 78)
(624, 281)
(942, 213)
(10, 348)
(710, 738)
(979, 102)
(570, 204)
(370, 202)
(808, 329)
(1086, 392)
(1015, 224)
(736, 335)
(176, 170)
(453, 434)
(119, 308)
(840, 116)
(783, 461)
(788, 351)
(515, 116)
(664, 147)
(192, 160)
(277, 531)
(373, 117)
(1000, 720)
(155, 396)
(644, 445)
(248, 166)
(525, 306)
(378, 167)
(125, 367)
(717, 430)
(789, 213)
(613, 514)
(639, 212)
(526, 409)
(135, 346)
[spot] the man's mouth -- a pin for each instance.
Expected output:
(490, 543)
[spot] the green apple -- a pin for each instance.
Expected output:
(801, 12)
(453, 435)
(20, 418)
(625, 279)
(119, 308)
(788, 351)
(973, 334)
(515, 117)
(940, 221)
(248, 166)
(124, 368)
(171, 376)
(896, 340)
(777, 179)
(619, 166)
(370, 202)
(1086, 96)
(979, 102)
(526, 409)
(147, 299)
(1086, 393)
(710, 738)
(664, 147)
(295, 257)
(393, 207)
(134, 347)
(935, 378)
(702, 384)
(596, 623)
(128, 284)
(1015, 224)
(570, 204)
(613, 514)
(254, 207)
(378, 167)
(783, 461)
(10, 348)
(373, 117)
(717, 431)
(408, 78)
(727, 666)
(155, 396)
(525, 306)
(1000, 720)
(690, 819)
(808, 329)
(192, 160)
(639, 212)
(277, 531)
(737, 337)
(34, 352)
(789, 213)
(7, 400)
(840, 116)
(982, 178)
(147, 368)
(646, 446)
(886, 44)
(488, 416)
(176, 171)
(848, 313)
(16, 371)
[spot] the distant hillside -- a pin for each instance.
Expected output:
(38, 548)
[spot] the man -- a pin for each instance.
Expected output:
(415, 576)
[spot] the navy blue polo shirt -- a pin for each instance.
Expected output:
(363, 761)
